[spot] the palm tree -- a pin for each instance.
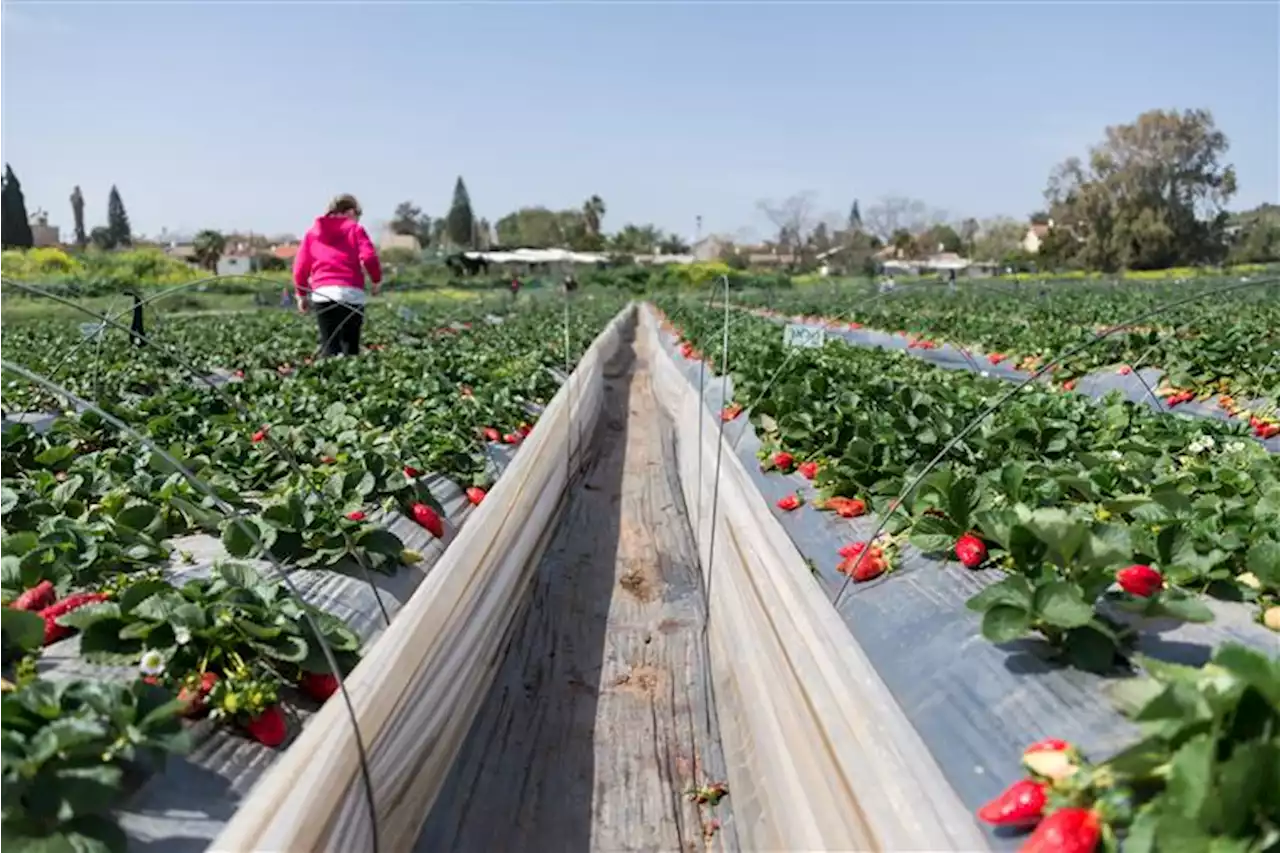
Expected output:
(593, 215)
(209, 245)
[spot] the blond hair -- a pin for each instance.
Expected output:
(344, 203)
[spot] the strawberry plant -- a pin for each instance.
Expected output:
(1202, 775)
(72, 749)
(1061, 495)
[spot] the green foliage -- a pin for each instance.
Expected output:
(209, 246)
(1150, 196)
(15, 229)
(460, 223)
(68, 749)
(119, 233)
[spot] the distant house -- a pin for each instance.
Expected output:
(1035, 236)
(236, 263)
(392, 240)
(42, 233)
(182, 252)
(285, 252)
(711, 248)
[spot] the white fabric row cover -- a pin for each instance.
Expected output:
(819, 755)
(416, 692)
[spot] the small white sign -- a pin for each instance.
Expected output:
(493, 319)
(808, 337)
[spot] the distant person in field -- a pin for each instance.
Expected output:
(515, 287)
(329, 271)
(570, 283)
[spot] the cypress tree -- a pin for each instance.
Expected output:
(118, 221)
(460, 224)
(15, 228)
(77, 212)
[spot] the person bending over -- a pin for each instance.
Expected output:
(329, 271)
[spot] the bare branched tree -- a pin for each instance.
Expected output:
(794, 219)
(893, 214)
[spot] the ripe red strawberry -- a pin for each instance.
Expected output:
(524, 429)
(427, 517)
(971, 551)
(1125, 370)
(1068, 830)
(52, 630)
(1140, 581)
(194, 698)
(356, 515)
(511, 438)
(864, 567)
(996, 357)
(268, 728)
(319, 685)
(686, 350)
(1265, 430)
(855, 325)
(847, 507)
(239, 374)
(328, 460)
(731, 412)
(852, 550)
(808, 470)
(491, 434)
(260, 435)
(782, 460)
(475, 494)
(789, 503)
(411, 472)
(1021, 805)
(1069, 385)
(37, 598)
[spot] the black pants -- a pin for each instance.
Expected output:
(339, 327)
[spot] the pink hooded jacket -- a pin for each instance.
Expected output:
(333, 252)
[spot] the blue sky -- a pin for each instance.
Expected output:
(251, 115)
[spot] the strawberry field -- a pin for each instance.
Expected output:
(1023, 563)
(1212, 342)
(143, 537)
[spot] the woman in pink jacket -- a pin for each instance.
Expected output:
(328, 273)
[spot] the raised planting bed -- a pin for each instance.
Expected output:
(354, 475)
(1211, 356)
(1059, 494)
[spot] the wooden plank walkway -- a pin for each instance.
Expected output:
(599, 719)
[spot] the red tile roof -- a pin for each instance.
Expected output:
(286, 252)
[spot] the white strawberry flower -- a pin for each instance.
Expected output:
(152, 662)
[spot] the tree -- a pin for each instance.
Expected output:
(409, 220)
(969, 234)
(534, 228)
(461, 221)
(77, 214)
(997, 238)
(1255, 235)
(118, 221)
(15, 227)
(593, 210)
(100, 237)
(893, 214)
(939, 238)
(634, 239)
(855, 218)
(1151, 195)
(209, 246)
(673, 244)
(794, 219)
